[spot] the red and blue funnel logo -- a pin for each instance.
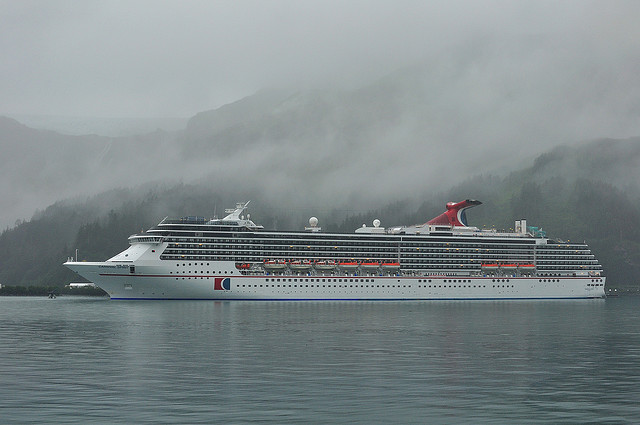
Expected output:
(222, 284)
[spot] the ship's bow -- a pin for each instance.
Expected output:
(92, 271)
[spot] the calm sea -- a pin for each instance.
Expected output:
(91, 360)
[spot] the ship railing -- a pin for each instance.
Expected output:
(134, 239)
(185, 220)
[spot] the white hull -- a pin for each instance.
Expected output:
(221, 281)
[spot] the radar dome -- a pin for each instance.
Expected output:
(376, 223)
(313, 222)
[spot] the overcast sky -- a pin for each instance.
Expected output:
(176, 58)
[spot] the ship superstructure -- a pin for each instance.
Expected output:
(444, 258)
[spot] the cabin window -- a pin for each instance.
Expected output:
(132, 269)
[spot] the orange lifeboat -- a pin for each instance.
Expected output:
(490, 267)
(527, 268)
(300, 265)
(348, 265)
(325, 265)
(391, 265)
(370, 265)
(509, 267)
(274, 265)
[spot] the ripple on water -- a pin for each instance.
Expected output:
(79, 360)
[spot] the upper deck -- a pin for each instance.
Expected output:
(432, 247)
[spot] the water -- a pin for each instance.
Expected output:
(90, 360)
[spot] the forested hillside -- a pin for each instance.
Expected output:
(585, 193)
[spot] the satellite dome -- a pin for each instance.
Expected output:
(376, 223)
(313, 222)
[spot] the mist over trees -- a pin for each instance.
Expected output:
(487, 107)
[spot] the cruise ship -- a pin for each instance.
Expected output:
(443, 259)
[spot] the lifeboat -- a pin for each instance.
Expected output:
(527, 268)
(509, 267)
(391, 266)
(492, 267)
(243, 266)
(370, 265)
(325, 265)
(274, 265)
(300, 265)
(348, 265)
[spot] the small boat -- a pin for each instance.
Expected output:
(492, 267)
(300, 265)
(509, 267)
(391, 266)
(243, 266)
(274, 265)
(370, 265)
(348, 265)
(526, 268)
(325, 265)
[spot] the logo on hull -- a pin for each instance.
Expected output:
(222, 283)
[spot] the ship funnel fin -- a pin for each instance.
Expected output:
(455, 214)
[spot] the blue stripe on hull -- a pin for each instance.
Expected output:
(357, 299)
